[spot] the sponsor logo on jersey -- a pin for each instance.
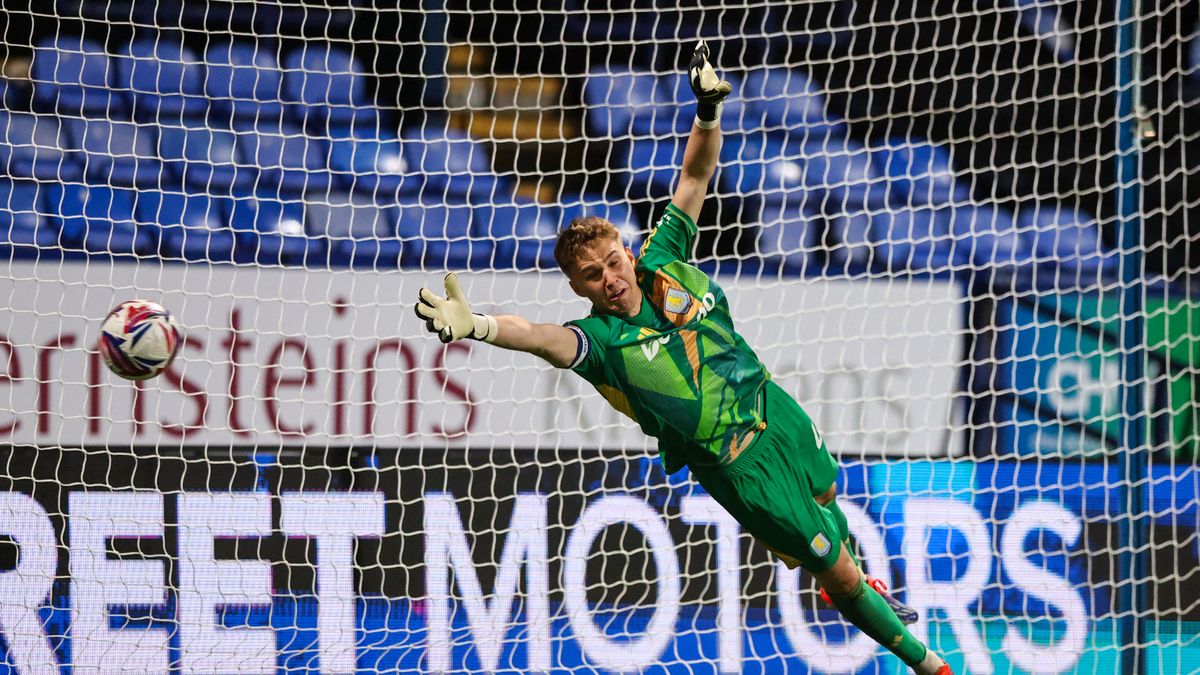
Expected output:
(678, 301)
(820, 545)
(650, 349)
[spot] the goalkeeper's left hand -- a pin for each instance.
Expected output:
(709, 88)
(451, 317)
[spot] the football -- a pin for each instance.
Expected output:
(138, 339)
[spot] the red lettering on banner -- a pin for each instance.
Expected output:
(272, 381)
(12, 371)
(410, 400)
(339, 388)
(234, 344)
(191, 390)
(453, 387)
(95, 384)
(44, 352)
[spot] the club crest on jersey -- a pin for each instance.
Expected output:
(678, 301)
(820, 545)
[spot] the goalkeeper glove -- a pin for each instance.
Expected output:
(451, 318)
(709, 88)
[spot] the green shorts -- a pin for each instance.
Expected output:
(771, 487)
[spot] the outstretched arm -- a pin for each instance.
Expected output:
(704, 142)
(451, 318)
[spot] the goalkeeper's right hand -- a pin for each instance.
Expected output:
(710, 90)
(451, 318)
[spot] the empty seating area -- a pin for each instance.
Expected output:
(823, 200)
(251, 153)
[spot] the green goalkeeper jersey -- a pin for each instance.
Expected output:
(678, 368)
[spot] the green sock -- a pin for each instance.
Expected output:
(864, 608)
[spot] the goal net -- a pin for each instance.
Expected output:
(960, 235)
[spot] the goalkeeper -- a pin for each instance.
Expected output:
(660, 346)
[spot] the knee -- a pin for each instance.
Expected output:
(844, 578)
(827, 496)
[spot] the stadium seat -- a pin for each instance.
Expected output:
(787, 235)
(1068, 240)
(447, 164)
(357, 230)
(164, 80)
(368, 166)
(270, 231)
(205, 159)
(786, 100)
(675, 106)
(287, 159)
(35, 146)
(618, 213)
(522, 232)
(326, 90)
(922, 173)
(897, 240)
(117, 153)
(613, 97)
(99, 219)
(23, 229)
(440, 235)
(986, 237)
(244, 84)
(71, 76)
(191, 226)
(654, 165)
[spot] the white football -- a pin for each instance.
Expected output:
(139, 339)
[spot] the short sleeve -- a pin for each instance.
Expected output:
(592, 334)
(671, 240)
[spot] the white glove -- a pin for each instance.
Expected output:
(710, 90)
(451, 318)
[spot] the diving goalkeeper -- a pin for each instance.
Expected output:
(660, 346)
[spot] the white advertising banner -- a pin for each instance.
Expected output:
(295, 357)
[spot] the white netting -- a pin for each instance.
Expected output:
(918, 216)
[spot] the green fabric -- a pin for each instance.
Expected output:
(771, 487)
(678, 368)
(840, 519)
(866, 609)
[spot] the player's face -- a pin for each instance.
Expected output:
(603, 273)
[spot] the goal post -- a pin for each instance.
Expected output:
(960, 236)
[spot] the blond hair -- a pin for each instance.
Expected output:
(581, 234)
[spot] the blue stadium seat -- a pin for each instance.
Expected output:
(326, 89)
(71, 76)
(573, 206)
(191, 226)
(204, 158)
(99, 219)
(35, 146)
(522, 232)
(368, 166)
(654, 164)
(287, 159)
(447, 164)
(921, 171)
(164, 80)
(270, 231)
(244, 83)
(440, 235)
(986, 237)
(1068, 240)
(23, 228)
(613, 97)
(357, 231)
(902, 240)
(785, 99)
(117, 153)
(675, 106)
(787, 235)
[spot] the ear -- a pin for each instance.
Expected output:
(629, 252)
(571, 283)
